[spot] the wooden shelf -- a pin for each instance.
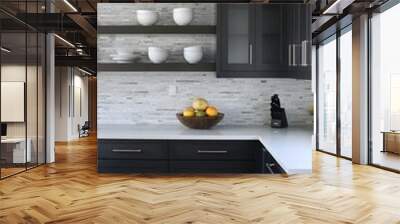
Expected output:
(148, 67)
(156, 29)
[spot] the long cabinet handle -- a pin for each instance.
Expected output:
(251, 53)
(290, 54)
(127, 150)
(268, 166)
(294, 55)
(212, 151)
(304, 51)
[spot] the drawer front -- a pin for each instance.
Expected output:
(213, 150)
(113, 149)
(212, 166)
(132, 166)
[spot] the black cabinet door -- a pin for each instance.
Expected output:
(299, 40)
(235, 40)
(264, 40)
(271, 40)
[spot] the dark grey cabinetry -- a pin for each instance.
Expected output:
(271, 39)
(235, 39)
(264, 40)
(132, 156)
(184, 156)
(299, 40)
(213, 156)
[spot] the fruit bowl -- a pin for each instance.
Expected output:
(205, 122)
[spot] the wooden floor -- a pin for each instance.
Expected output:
(386, 159)
(71, 191)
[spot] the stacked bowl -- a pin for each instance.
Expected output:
(124, 56)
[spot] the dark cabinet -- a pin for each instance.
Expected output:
(264, 40)
(299, 40)
(213, 150)
(267, 163)
(270, 40)
(213, 156)
(184, 156)
(235, 37)
(126, 149)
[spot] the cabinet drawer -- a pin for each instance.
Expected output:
(213, 150)
(132, 166)
(206, 166)
(116, 149)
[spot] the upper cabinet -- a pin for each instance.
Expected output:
(236, 38)
(264, 40)
(270, 40)
(299, 40)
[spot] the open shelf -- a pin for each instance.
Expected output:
(156, 29)
(148, 67)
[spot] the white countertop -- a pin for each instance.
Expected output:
(291, 147)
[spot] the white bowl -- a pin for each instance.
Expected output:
(183, 16)
(157, 55)
(193, 54)
(146, 17)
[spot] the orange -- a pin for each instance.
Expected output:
(211, 111)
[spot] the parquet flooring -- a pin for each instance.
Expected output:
(71, 191)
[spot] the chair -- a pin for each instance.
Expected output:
(84, 130)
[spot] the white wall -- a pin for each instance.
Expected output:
(17, 73)
(33, 126)
(70, 84)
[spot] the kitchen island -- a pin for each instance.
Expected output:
(290, 147)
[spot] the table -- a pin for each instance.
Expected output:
(391, 141)
(13, 150)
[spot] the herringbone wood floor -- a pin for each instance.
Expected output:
(71, 191)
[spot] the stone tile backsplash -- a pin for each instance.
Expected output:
(143, 97)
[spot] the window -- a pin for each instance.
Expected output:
(22, 78)
(346, 75)
(327, 95)
(334, 94)
(385, 89)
